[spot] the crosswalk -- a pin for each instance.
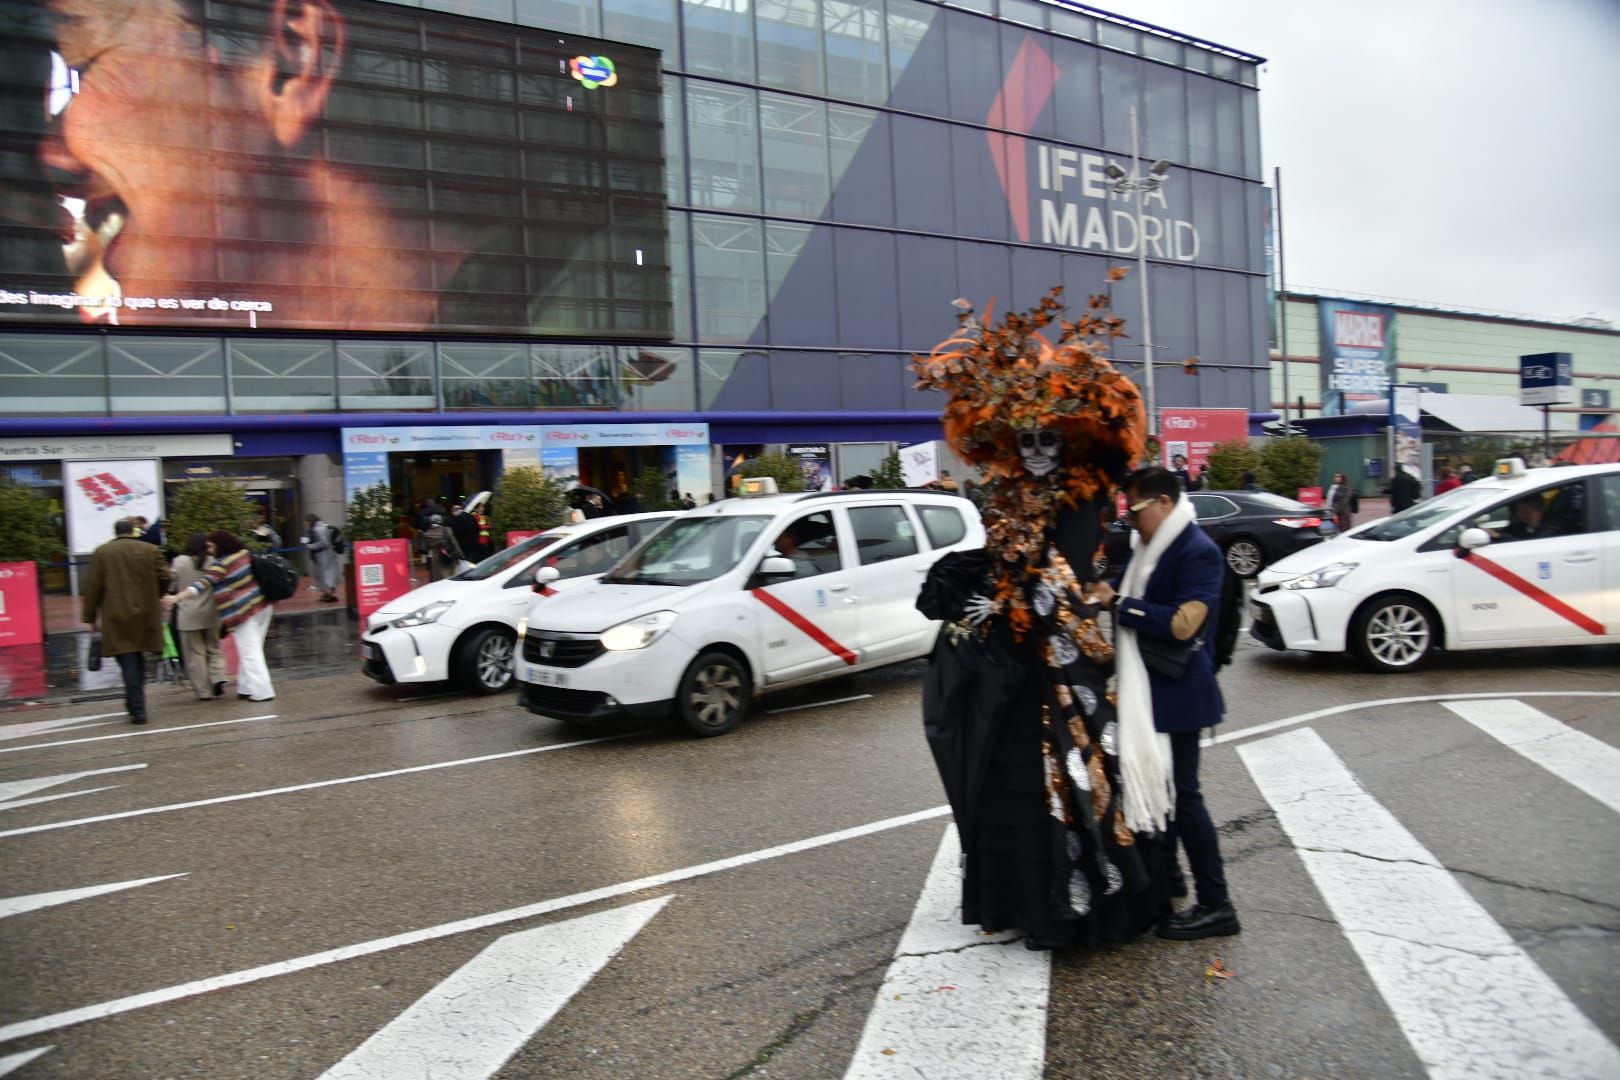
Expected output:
(954, 1002)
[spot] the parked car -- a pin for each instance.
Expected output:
(464, 627)
(740, 598)
(1253, 528)
(1525, 557)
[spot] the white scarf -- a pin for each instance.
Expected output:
(1144, 753)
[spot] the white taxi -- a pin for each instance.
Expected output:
(463, 627)
(743, 597)
(1524, 557)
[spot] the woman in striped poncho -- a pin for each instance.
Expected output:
(243, 610)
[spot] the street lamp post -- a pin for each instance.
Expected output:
(1138, 184)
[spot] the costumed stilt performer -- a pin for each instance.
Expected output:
(1059, 809)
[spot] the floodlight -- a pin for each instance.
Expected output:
(1160, 168)
(1114, 172)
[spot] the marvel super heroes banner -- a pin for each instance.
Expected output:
(1192, 433)
(1358, 354)
(382, 571)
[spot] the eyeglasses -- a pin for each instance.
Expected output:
(1137, 508)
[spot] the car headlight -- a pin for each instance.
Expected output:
(638, 633)
(1325, 578)
(424, 615)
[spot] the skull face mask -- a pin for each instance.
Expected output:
(1041, 450)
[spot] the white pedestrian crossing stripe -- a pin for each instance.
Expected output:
(956, 1002)
(17, 905)
(1589, 764)
(1469, 1000)
(12, 791)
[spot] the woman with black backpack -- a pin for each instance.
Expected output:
(244, 611)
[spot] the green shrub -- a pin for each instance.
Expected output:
(888, 473)
(651, 488)
(208, 505)
(370, 514)
(786, 471)
(1286, 465)
(1227, 463)
(525, 498)
(30, 525)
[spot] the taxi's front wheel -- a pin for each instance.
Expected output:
(1395, 633)
(714, 695)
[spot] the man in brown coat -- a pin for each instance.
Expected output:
(123, 601)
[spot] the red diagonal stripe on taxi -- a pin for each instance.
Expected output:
(804, 624)
(1536, 593)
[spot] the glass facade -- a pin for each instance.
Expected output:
(837, 172)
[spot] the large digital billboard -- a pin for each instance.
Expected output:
(332, 165)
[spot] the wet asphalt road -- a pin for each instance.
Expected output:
(765, 967)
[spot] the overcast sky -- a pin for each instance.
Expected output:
(1464, 153)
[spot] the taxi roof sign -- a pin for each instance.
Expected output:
(757, 485)
(1510, 466)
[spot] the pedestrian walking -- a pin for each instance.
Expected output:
(437, 545)
(328, 563)
(123, 601)
(1404, 490)
(243, 611)
(1448, 480)
(465, 526)
(197, 619)
(1169, 597)
(1340, 500)
(265, 536)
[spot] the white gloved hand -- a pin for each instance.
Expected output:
(979, 608)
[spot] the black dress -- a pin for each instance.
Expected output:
(1017, 714)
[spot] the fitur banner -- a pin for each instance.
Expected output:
(98, 493)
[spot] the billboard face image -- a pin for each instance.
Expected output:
(352, 166)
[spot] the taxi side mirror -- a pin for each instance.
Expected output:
(777, 566)
(545, 576)
(1473, 538)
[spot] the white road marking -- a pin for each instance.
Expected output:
(1337, 710)
(25, 1028)
(956, 1003)
(219, 799)
(12, 1062)
(1469, 1000)
(16, 905)
(1573, 756)
(471, 1023)
(39, 727)
(53, 798)
(133, 734)
(818, 704)
(15, 789)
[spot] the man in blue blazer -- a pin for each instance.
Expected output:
(1174, 596)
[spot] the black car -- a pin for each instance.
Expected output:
(1253, 528)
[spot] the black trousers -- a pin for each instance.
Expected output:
(133, 667)
(1192, 825)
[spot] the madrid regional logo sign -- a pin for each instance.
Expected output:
(593, 71)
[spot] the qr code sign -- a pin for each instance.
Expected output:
(371, 575)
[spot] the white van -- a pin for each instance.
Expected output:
(463, 627)
(739, 598)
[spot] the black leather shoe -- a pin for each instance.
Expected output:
(1201, 922)
(219, 689)
(1178, 883)
(137, 719)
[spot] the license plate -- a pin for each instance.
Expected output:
(548, 677)
(371, 651)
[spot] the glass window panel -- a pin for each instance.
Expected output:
(282, 376)
(1223, 66)
(980, 204)
(52, 374)
(581, 376)
(723, 146)
(680, 275)
(1175, 335)
(868, 299)
(801, 257)
(1073, 24)
(166, 375)
(1027, 12)
(1254, 228)
(789, 34)
(719, 38)
(916, 71)
(569, 16)
(478, 9)
(644, 22)
(793, 149)
(1083, 276)
(882, 533)
(1247, 74)
(394, 376)
(927, 282)
(1164, 127)
(1201, 122)
(919, 147)
(1034, 272)
(1032, 78)
(1228, 128)
(854, 41)
(1121, 90)
(656, 377)
(1251, 136)
(1240, 348)
(872, 381)
(804, 380)
(1234, 226)
(1210, 298)
(674, 140)
(735, 378)
(729, 286)
(1161, 48)
(1206, 217)
(1079, 103)
(476, 375)
(1116, 36)
(865, 196)
(974, 62)
(982, 271)
(986, 7)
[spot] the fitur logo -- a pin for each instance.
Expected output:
(593, 71)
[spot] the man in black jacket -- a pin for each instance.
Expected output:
(1404, 490)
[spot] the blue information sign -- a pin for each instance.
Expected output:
(1546, 379)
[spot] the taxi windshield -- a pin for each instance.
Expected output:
(689, 551)
(509, 557)
(1429, 512)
